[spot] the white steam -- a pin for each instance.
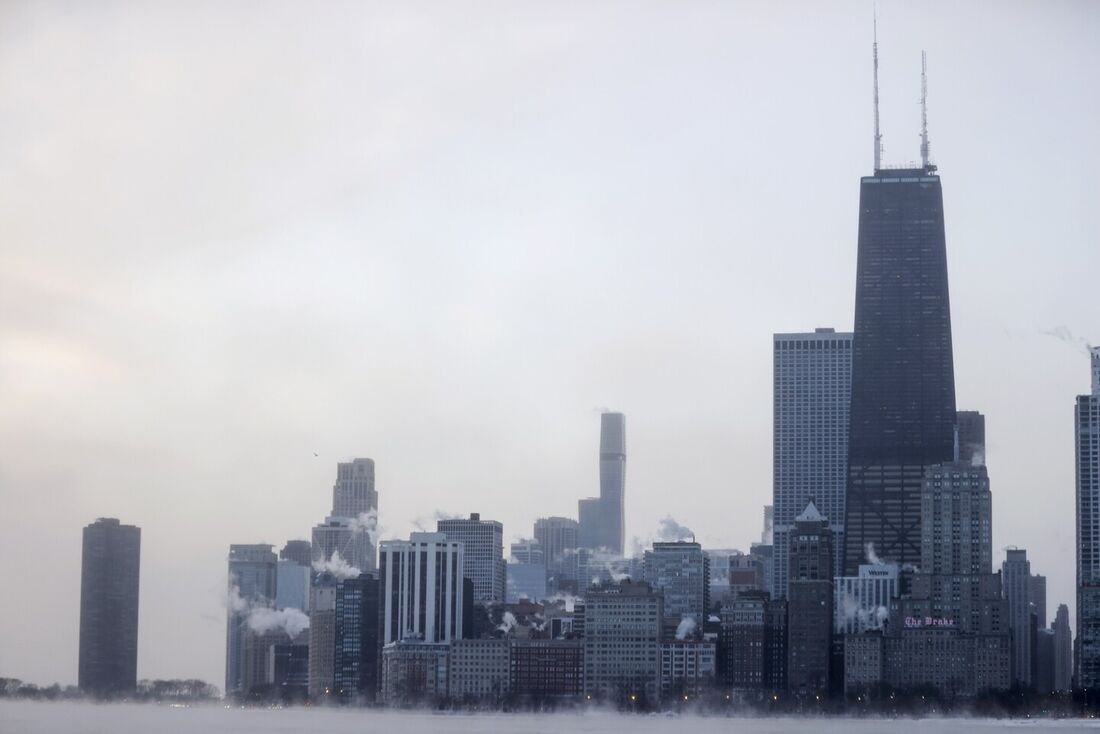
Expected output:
(508, 623)
(685, 628)
(367, 522)
(872, 557)
(290, 620)
(337, 566)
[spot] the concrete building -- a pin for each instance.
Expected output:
(622, 635)
(681, 571)
(414, 673)
(357, 644)
(422, 589)
(1087, 454)
(812, 381)
(546, 670)
(252, 583)
(862, 603)
(1015, 575)
(688, 668)
(602, 519)
(810, 604)
(752, 643)
(1063, 650)
(558, 538)
(483, 554)
(322, 637)
(109, 578)
(480, 670)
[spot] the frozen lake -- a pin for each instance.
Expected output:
(20, 717)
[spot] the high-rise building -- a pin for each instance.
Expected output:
(298, 551)
(862, 603)
(109, 575)
(291, 585)
(810, 603)
(1063, 650)
(252, 583)
(971, 432)
(812, 382)
(681, 571)
(1016, 572)
(351, 527)
(558, 538)
(354, 494)
(753, 642)
(1037, 596)
(622, 643)
(527, 551)
(423, 595)
(902, 417)
(602, 520)
(1087, 448)
(322, 636)
(357, 659)
(483, 554)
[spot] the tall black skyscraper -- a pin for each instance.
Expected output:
(109, 608)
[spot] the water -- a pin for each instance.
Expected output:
(28, 717)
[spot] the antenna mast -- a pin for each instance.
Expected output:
(924, 109)
(874, 54)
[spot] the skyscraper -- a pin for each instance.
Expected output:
(109, 575)
(558, 538)
(353, 494)
(352, 525)
(1063, 650)
(423, 593)
(810, 603)
(812, 382)
(483, 554)
(681, 571)
(252, 582)
(1016, 572)
(603, 522)
(1087, 444)
(357, 659)
(971, 425)
(903, 384)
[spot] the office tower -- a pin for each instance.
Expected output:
(1043, 653)
(681, 571)
(971, 433)
(351, 527)
(752, 644)
(252, 583)
(558, 538)
(480, 670)
(622, 638)
(810, 603)
(957, 520)
(423, 594)
(1063, 650)
(902, 417)
(546, 670)
(109, 575)
(322, 636)
(862, 603)
(602, 520)
(299, 551)
(1087, 448)
(353, 494)
(1037, 596)
(290, 667)
(357, 658)
(1015, 572)
(527, 551)
(291, 585)
(346, 537)
(483, 554)
(812, 382)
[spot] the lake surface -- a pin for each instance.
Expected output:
(28, 717)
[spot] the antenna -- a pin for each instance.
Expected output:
(924, 109)
(874, 54)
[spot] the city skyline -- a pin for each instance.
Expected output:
(196, 369)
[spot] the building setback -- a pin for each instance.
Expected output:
(1086, 423)
(812, 388)
(483, 554)
(109, 579)
(252, 583)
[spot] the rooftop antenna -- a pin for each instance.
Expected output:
(924, 109)
(874, 53)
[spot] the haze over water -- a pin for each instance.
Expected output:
(25, 717)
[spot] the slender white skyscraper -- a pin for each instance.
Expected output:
(1087, 443)
(812, 390)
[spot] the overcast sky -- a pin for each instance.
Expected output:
(445, 236)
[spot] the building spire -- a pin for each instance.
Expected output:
(874, 55)
(924, 109)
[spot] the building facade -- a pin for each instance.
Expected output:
(622, 637)
(812, 389)
(109, 579)
(357, 644)
(862, 603)
(252, 582)
(1087, 453)
(558, 537)
(688, 669)
(681, 571)
(1063, 650)
(483, 554)
(480, 670)
(752, 643)
(414, 673)
(1015, 575)
(322, 637)
(423, 595)
(810, 604)
(546, 670)
(602, 520)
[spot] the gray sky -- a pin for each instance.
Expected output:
(443, 236)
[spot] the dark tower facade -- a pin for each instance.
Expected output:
(109, 573)
(902, 416)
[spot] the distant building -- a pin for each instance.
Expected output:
(351, 526)
(812, 383)
(291, 585)
(109, 577)
(863, 663)
(291, 664)
(346, 537)
(1063, 650)
(299, 551)
(357, 645)
(602, 520)
(1016, 573)
(525, 581)
(546, 670)
(971, 433)
(810, 604)
(1043, 652)
(688, 668)
(528, 551)
(483, 555)
(557, 536)
(1037, 597)
(862, 603)
(753, 643)
(414, 673)
(252, 583)
(480, 670)
(681, 571)
(622, 635)
(354, 493)
(1086, 421)
(322, 637)
(747, 573)
(422, 589)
